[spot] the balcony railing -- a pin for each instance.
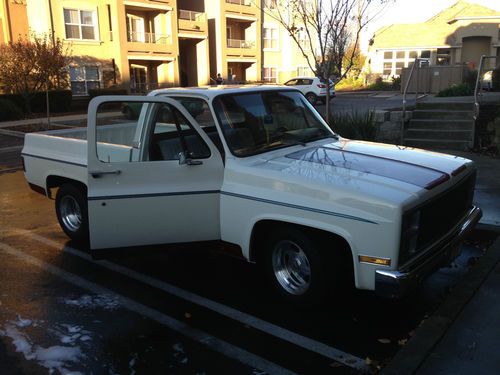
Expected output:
(240, 2)
(236, 43)
(191, 16)
(140, 37)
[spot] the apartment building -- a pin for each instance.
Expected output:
(281, 57)
(146, 44)
(458, 35)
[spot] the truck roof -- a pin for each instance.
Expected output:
(212, 91)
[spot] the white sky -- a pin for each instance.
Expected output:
(413, 11)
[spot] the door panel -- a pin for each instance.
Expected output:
(155, 195)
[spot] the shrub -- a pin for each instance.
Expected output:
(109, 91)
(460, 89)
(9, 111)
(60, 101)
(381, 85)
(355, 125)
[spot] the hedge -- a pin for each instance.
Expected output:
(110, 91)
(60, 101)
(9, 111)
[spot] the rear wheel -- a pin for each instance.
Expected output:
(311, 98)
(71, 210)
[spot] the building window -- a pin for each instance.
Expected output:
(303, 71)
(387, 69)
(388, 55)
(443, 56)
(399, 66)
(425, 54)
(80, 24)
(269, 75)
(270, 38)
(412, 54)
(303, 40)
(83, 79)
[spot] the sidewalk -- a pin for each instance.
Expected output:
(463, 335)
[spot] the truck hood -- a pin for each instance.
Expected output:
(401, 168)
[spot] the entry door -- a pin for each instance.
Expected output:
(139, 78)
(152, 180)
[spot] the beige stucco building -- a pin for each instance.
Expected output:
(145, 44)
(459, 35)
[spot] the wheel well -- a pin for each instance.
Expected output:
(57, 181)
(262, 229)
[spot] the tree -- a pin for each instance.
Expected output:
(330, 27)
(30, 65)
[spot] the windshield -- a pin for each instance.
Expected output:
(253, 123)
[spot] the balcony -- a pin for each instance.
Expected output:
(242, 8)
(149, 42)
(192, 22)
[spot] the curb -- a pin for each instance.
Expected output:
(409, 359)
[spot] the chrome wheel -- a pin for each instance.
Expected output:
(71, 214)
(291, 267)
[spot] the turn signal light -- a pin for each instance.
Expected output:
(374, 260)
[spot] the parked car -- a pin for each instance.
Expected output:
(258, 169)
(487, 80)
(312, 88)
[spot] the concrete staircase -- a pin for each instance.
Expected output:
(441, 125)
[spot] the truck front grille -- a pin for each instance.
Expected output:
(441, 214)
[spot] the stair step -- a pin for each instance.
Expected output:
(438, 144)
(461, 106)
(441, 124)
(440, 134)
(429, 114)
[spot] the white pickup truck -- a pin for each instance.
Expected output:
(256, 167)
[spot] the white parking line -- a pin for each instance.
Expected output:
(194, 334)
(247, 319)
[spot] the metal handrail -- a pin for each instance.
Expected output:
(237, 43)
(191, 15)
(240, 2)
(476, 92)
(407, 84)
(140, 37)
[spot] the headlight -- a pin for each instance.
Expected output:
(409, 235)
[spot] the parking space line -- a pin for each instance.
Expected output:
(194, 334)
(229, 312)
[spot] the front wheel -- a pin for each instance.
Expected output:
(294, 266)
(72, 213)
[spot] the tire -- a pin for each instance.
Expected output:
(72, 212)
(311, 98)
(295, 266)
(323, 100)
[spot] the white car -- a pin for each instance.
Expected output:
(257, 169)
(312, 88)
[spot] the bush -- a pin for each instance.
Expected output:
(60, 101)
(355, 125)
(110, 91)
(460, 89)
(381, 85)
(9, 111)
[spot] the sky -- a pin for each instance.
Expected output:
(414, 11)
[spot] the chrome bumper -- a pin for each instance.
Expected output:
(396, 283)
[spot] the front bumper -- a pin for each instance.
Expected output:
(396, 283)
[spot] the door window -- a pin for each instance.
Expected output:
(121, 133)
(173, 135)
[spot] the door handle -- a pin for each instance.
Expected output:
(97, 174)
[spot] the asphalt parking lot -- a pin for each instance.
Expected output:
(179, 309)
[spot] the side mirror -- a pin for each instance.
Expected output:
(184, 158)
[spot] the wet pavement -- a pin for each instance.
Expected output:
(179, 309)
